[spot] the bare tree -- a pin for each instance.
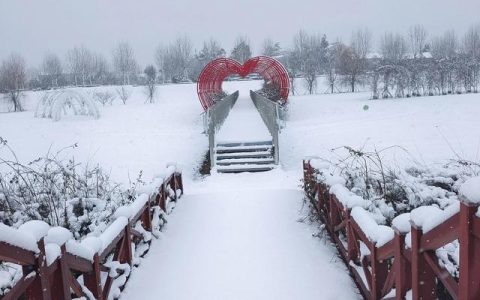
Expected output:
(270, 48)
(210, 51)
(124, 93)
(393, 47)
(52, 68)
(174, 62)
(471, 42)
(352, 62)
(161, 57)
(151, 87)
(13, 79)
(80, 63)
(418, 38)
(124, 61)
(445, 46)
(241, 51)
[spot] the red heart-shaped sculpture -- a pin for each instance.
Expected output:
(209, 84)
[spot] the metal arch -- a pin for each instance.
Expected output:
(212, 76)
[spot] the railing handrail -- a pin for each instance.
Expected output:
(215, 116)
(395, 264)
(272, 113)
(36, 282)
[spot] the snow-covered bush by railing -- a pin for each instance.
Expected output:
(433, 238)
(55, 105)
(61, 192)
(93, 266)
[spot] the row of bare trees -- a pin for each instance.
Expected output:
(443, 65)
(402, 65)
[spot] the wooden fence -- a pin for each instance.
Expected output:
(393, 269)
(59, 279)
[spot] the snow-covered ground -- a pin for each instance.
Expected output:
(232, 237)
(239, 235)
(430, 129)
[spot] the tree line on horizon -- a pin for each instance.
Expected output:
(400, 66)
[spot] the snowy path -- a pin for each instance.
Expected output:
(244, 123)
(244, 241)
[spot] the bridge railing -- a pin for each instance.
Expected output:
(407, 258)
(215, 117)
(273, 116)
(78, 268)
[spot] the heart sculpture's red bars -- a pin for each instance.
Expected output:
(212, 76)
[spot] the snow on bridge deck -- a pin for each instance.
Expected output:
(243, 241)
(244, 123)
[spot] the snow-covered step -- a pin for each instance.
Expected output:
(241, 155)
(233, 144)
(245, 168)
(251, 148)
(243, 161)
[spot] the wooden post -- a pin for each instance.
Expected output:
(40, 288)
(469, 283)
(60, 284)
(423, 278)
(352, 252)
(379, 274)
(93, 280)
(127, 256)
(401, 267)
(146, 217)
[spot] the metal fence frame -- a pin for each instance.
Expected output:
(272, 114)
(215, 117)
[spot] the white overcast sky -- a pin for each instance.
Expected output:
(35, 27)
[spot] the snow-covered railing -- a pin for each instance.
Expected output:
(390, 262)
(53, 265)
(272, 114)
(214, 118)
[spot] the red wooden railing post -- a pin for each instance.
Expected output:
(351, 242)
(423, 278)
(93, 280)
(469, 283)
(401, 267)
(127, 256)
(379, 274)
(40, 288)
(146, 217)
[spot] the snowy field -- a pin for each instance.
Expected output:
(240, 236)
(138, 136)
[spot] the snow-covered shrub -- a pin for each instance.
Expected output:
(124, 94)
(58, 103)
(104, 97)
(60, 192)
(270, 91)
(392, 190)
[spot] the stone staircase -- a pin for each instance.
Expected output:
(244, 157)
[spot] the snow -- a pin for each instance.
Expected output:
(402, 223)
(243, 124)
(112, 231)
(131, 210)
(377, 234)
(18, 238)
(470, 191)
(429, 217)
(346, 197)
(38, 229)
(431, 129)
(238, 236)
(52, 252)
(58, 236)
